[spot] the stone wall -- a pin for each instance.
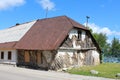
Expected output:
(35, 58)
(55, 60)
(77, 49)
(71, 58)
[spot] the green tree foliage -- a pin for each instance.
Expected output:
(90, 29)
(107, 48)
(101, 39)
(102, 42)
(115, 47)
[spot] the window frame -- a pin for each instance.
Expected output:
(9, 55)
(79, 34)
(2, 55)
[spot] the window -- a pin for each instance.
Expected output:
(2, 55)
(9, 55)
(79, 35)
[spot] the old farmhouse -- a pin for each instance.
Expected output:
(51, 43)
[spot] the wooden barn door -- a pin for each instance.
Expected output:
(27, 56)
(33, 57)
(39, 57)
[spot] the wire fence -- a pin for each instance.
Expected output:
(112, 56)
(111, 59)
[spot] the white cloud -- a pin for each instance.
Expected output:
(47, 4)
(109, 41)
(105, 30)
(117, 33)
(5, 4)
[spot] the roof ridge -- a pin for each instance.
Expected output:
(36, 20)
(17, 25)
(52, 17)
(69, 20)
(22, 23)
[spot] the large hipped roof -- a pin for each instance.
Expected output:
(43, 34)
(47, 34)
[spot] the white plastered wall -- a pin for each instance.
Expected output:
(63, 52)
(75, 32)
(96, 57)
(69, 53)
(83, 35)
(80, 57)
(13, 57)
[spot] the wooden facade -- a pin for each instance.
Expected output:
(35, 58)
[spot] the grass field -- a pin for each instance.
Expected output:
(107, 70)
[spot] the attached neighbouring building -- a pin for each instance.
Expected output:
(51, 43)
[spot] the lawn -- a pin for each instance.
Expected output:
(107, 70)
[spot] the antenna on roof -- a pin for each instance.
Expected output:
(87, 17)
(46, 12)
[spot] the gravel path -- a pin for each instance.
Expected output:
(16, 73)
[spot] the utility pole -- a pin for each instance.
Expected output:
(87, 17)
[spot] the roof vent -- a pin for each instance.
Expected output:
(17, 24)
(38, 19)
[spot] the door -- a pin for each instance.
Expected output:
(27, 56)
(39, 57)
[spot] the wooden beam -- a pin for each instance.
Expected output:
(66, 48)
(7, 49)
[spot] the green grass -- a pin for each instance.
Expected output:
(107, 70)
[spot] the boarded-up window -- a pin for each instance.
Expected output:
(27, 56)
(39, 58)
(9, 55)
(2, 55)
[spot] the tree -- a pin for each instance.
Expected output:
(115, 47)
(101, 39)
(90, 29)
(102, 42)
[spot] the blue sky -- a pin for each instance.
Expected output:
(104, 14)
